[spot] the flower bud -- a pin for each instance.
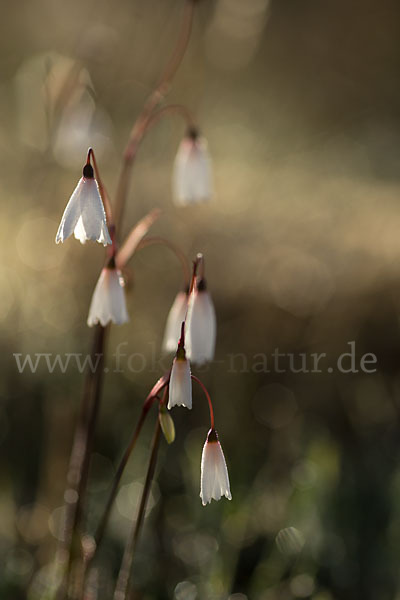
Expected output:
(108, 300)
(180, 383)
(214, 481)
(192, 176)
(175, 317)
(201, 325)
(167, 424)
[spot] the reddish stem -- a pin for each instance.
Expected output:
(149, 241)
(203, 387)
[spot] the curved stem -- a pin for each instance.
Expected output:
(125, 574)
(210, 406)
(175, 249)
(139, 128)
(180, 48)
(171, 109)
(161, 384)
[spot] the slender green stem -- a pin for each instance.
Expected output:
(124, 580)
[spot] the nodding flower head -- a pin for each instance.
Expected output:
(201, 325)
(192, 174)
(108, 300)
(214, 481)
(180, 383)
(84, 215)
(175, 317)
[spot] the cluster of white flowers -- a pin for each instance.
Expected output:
(195, 313)
(191, 324)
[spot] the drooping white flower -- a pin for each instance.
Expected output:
(201, 325)
(192, 174)
(214, 482)
(84, 215)
(175, 317)
(108, 300)
(180, 383)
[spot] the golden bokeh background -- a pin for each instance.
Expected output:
(299, 101)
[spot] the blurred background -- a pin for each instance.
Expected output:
(299, 101)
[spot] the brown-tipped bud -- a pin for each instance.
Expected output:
(192, 133)
(214, 480)
(88, 171)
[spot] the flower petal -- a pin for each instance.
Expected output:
(108, 301)
(180, 384)
(201, 327)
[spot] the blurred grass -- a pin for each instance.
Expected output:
(299, 103)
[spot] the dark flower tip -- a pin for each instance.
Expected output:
(201, 285)
(212, 436)
(111, 263)
(192, 133)
(88, 172)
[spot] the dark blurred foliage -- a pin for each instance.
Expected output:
(299, 100)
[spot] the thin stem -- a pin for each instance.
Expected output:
(125, 574)
(196, 263)
(210, 406)
(171, 109)
(180, 48)
(98, 537)
(76, 477)
(175, 249)
(139, 128)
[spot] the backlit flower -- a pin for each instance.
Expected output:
(192, 175)
(214, 481)
(180, 383)
(175, 317)
(108, 300)
(84, 215)
(201, 325)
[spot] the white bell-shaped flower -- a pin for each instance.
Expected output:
(84, 215)
(175, 317)
(108, 300)
(214, 482)
(192, 173)
(180, 383)
(201, 326)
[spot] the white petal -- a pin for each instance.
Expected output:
(192, 176)
(174, 322)
(92, 213)
(84, 215)
(214, 474)
(201, 326)
(71, 215)
(108, 300)
(79, 231)
(180, 384)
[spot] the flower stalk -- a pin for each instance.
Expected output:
(124, 581)
(144, 119)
